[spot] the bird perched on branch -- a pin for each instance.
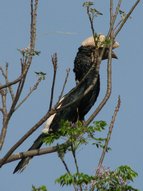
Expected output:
(74, 105)
(87, 56)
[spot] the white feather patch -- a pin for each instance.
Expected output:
(99, 41)
(48, 123)
(50, 119)
(90, 41)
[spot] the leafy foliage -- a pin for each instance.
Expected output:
(123, 14)
(107, 180)
(88, 4)
(78, 133)
(27, 52)
(92, 12)
(41, 75)
(41, 188)
(77, 179)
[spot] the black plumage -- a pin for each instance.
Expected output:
(85, 58)
(88, 78)
(71, 113)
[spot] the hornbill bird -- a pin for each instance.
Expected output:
(81, 102)
(84, 60)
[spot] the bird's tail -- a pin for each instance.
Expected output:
(24, 162)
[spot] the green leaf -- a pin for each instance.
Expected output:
(95, 12)
(76, 179)
(41, 75)
(41, 188)
(28, 52)
(117, 180)
(88, 4)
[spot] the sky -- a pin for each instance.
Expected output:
(61, 27)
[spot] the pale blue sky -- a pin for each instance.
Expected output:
(69, 16)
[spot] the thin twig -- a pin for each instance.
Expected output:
(27, 134)
(66, 166)
(48, 114)
(126, 17)
(103, 102)
(107, 140)
(4, 112)
(3, 100)
(109, 68)
(7, 81)
(8, 116)
(109, 133)
(65, 82)
(116, 12)
(5, 75)
(32, 44)
(54, 63)
(30, 92)
(118, 24)
(113, 18)
(91, 23)
(13, 82)
(75, 159)
(61, 156)
(108, 91)
(16, 98)
(24, 69)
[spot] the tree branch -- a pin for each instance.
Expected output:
(65, 82)
(109, 133)
(30, 92)
(54, 63)
(108, 91)
(107, 141)
(35, 152)
(24, 69)
(48, 114)
(5, 75)
(126, 17)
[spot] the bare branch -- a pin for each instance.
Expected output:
(48, 114)
(7, 81)
(3, 131)
(116, 12)
(13, 82)
(65, 82)
(109, 133)
(107, 140)
(24, 70)
(108, 91)
(30, 92)
(9, 87)
(61, 156)
(4, 112)
(65, 164)
(3, 100)
(109, 65)
(54, 62)
(74, 156)
(18, 143)
(91, 22)
(35, 152)
(126, 17)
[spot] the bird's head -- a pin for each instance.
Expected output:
(99, 42)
